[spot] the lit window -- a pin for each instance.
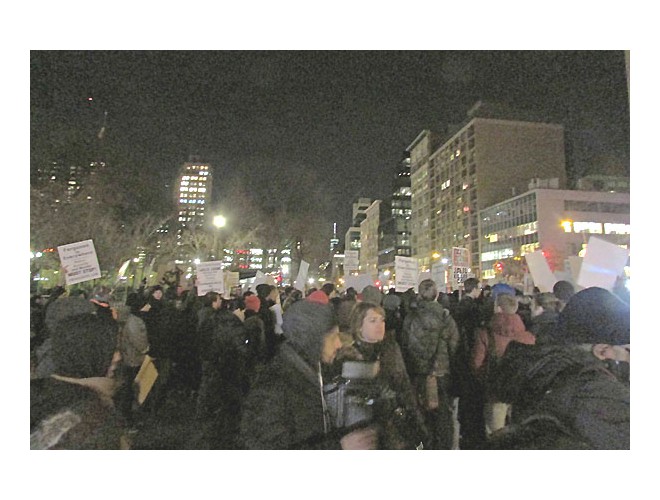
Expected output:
(588, 227)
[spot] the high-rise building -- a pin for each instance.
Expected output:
(193, 192)
(369, 236)
(352, 241)
(485, 161)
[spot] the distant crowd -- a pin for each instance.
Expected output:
(276, 368)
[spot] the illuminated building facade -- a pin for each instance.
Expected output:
(558, 222)
(485, 161)
(352, 240)
(193, 192)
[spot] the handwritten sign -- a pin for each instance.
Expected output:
(351, 260)
(79, 262)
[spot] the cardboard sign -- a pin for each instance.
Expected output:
(602, 264)
(540, 271)
(210, 278)
(79, 262)
(146, 378)
(406, 269)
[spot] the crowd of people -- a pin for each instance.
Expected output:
(275, 368)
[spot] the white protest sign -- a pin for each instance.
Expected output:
(425, 275)
(299, 284)
(575, 263)
(438, 274)
(358, 282)
(232, 282)
(210, 278)
(259, 279)
(351, 260)
(540, 271)
(602, 263)
(460, 261)
(79, 262)
(406, 270)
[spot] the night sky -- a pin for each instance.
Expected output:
(348, 115)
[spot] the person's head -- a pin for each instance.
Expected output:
(507, 304)
(318, 296)
(84, 346)
(428, 291)
(545, 301)
(367, 322)
(501, 289)
(157, 292)
(213, 299)
(563, 291)
(252, 303)
(597, 320)
(312, 330)
(263, 291)
(372, 294)
(351, 293)
(329, 289)
(471, 287)
(101, 293)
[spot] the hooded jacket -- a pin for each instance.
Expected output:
(285, 408)
(569, 384)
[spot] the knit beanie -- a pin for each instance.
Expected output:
(594, 316)
(372, 294)
(305, 324)
(65, 307)
(252, 303)
(318, 296)
(502, 288)
(83, 345)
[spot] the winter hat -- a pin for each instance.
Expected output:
(252, 303)
(502, 288)
(372, 294)
(318, 296)
(83, 346)
(594, 316)
(305, 324)
(64, 307)
(563, 290)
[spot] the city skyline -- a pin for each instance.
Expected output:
(346, 115)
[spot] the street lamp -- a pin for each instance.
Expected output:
(219, 221)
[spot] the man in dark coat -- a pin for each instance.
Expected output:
(570, 379)
(285, 409)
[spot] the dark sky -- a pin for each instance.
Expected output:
(348, 115)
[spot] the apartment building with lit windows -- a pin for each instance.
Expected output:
(485, 161)
(558, 222)
(193, 192)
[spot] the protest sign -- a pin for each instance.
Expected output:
(79, 262)
(602, 263)
(301, 279)
(406, 270)
(210, 278)
(538, 267)
(358, 282)
(460, 262)
(351, 260)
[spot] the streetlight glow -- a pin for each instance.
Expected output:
(219, 221)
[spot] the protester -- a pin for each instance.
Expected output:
(285, 409)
